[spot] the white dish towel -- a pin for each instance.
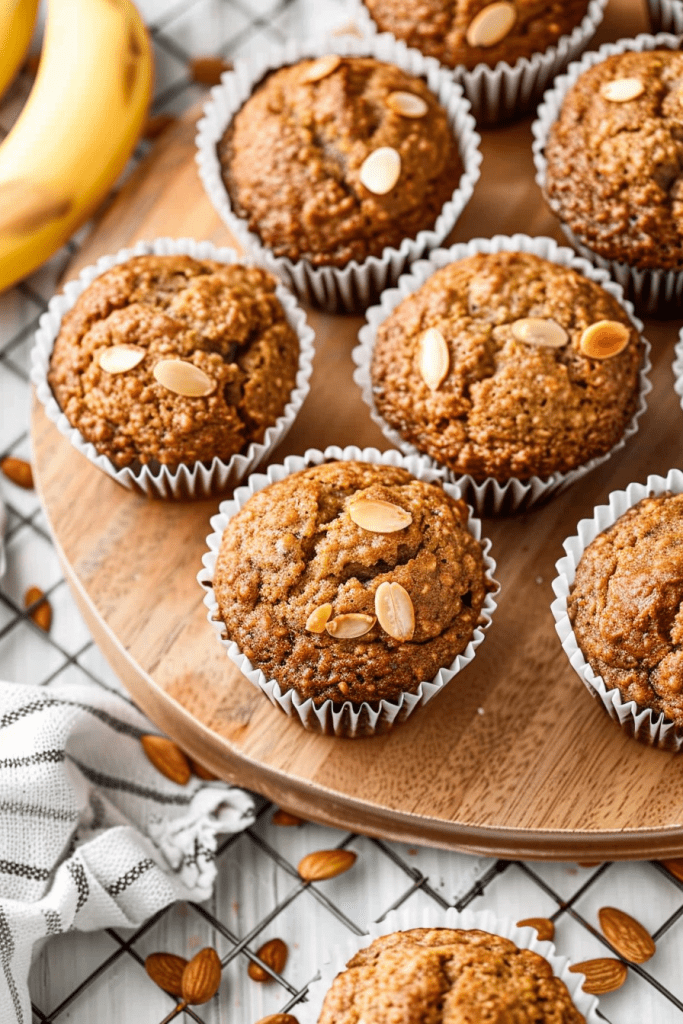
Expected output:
(91, 834)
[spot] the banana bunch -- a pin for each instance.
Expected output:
(17, 18)
(76, 131)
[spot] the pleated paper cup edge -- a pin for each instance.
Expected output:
(666, 15)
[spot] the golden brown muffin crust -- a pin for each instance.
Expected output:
(294, 547)
(447, 976)
(224, 319)
(626, 605)
(506, 408)
(292, 156)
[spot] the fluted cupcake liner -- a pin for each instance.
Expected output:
(341, 719)
(666, 15)
(508, 91)
(192, 480)
(652, 290)
(646, 725)
(490, 496)
(406, 918)
(354, 286)
(678, 367)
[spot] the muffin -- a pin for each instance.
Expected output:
(170, 360)
(350, 582)
(447, 976)
(496, 367)
(334, 159)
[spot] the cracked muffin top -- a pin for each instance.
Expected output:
(465, 33)
(626, 605)
(485, 368)
(334, 159)
(615, 159)
(447, 976)
(168, 359)
(350, 581)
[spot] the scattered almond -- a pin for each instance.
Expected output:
(167, 758)
(321, 68)
(278, 1018)
(602, 975)
(157, 124)
(200, 771)
(353, 624)
(379, 516)
(545, 929)
(183, 378)
(121, 358)
(208, 70)
(491, 24)
(394, 610)
(18, 471)
(535, 330)
(323, 864)
(674, 867)
(621, 90)
(42, 613)
(627, 935)
(434, 358)
(274, 954)
(317, 620)
(407, 104)
(166, 971)
(604, 339)
(381, 170)
(202, 977)
(286, 819)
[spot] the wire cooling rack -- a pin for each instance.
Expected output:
(259, 895)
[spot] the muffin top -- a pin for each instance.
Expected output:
(615, 156)
(447, 976)
(626, 605)
(294, 159)
(470, 32)
(168, 359)
(483, 368)
(350, 581)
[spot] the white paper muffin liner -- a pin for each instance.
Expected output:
(646, 725)
(345, 719)
(651, 290)
(357, 284)
(193, 480)
(404, 919)
(508, 91)
(678, 367)
(666, 15)
(491, 497)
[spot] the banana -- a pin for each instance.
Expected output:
(17, 18)
(76, 131)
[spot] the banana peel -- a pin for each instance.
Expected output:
(17, 18)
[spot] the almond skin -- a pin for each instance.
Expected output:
(18, 471)
(278, 1018)
(286, 819)
(166, 971)
(323, 864)
(200, 771)
(42, 614)
(627, 935)
(167, 758)
(202, 977)
(545, 929)
(208, 70)
(674, 867)
(274, 954)
(602, 975)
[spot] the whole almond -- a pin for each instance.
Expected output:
(183, 378)
(278, 1018)
(121, 358)
(627, 935)
(285, 819)
(42, 613)
(18, 471)
(200, 771)
(602, 975)
(323, 864)
(208, 70)
(317, 620)
(674, 867)
(202, 977)
(167, 758)
(166, 971)
(274, 954)
(351, 625)
(545, 929)
(379, 516)
(321, 68)
(394, 610)
(434, 358)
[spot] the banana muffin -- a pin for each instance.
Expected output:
(626, 605)
(334, 159)
(471, 32)
(506, 365)
(614, 159)
(170, 360)
(350, 581)
(447, 976)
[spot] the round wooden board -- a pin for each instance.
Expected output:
(513, 758)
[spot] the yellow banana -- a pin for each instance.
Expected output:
(17, 18)
(76, 131)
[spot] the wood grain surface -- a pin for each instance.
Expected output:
(513, 758)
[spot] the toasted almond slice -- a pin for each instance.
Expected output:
(321, 68)
(602, 974)
(535, 330)
(621, 90)
(317, 620)
(491, 24)
(627, 935)
(183, 378)
(381, 170)
(121, 358)
(353, 624)
(604, 339)
(395, 611)
(545, 929)
(379, 516)
(434, 358)
(407, 104)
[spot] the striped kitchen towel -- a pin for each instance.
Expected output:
(91, 835)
